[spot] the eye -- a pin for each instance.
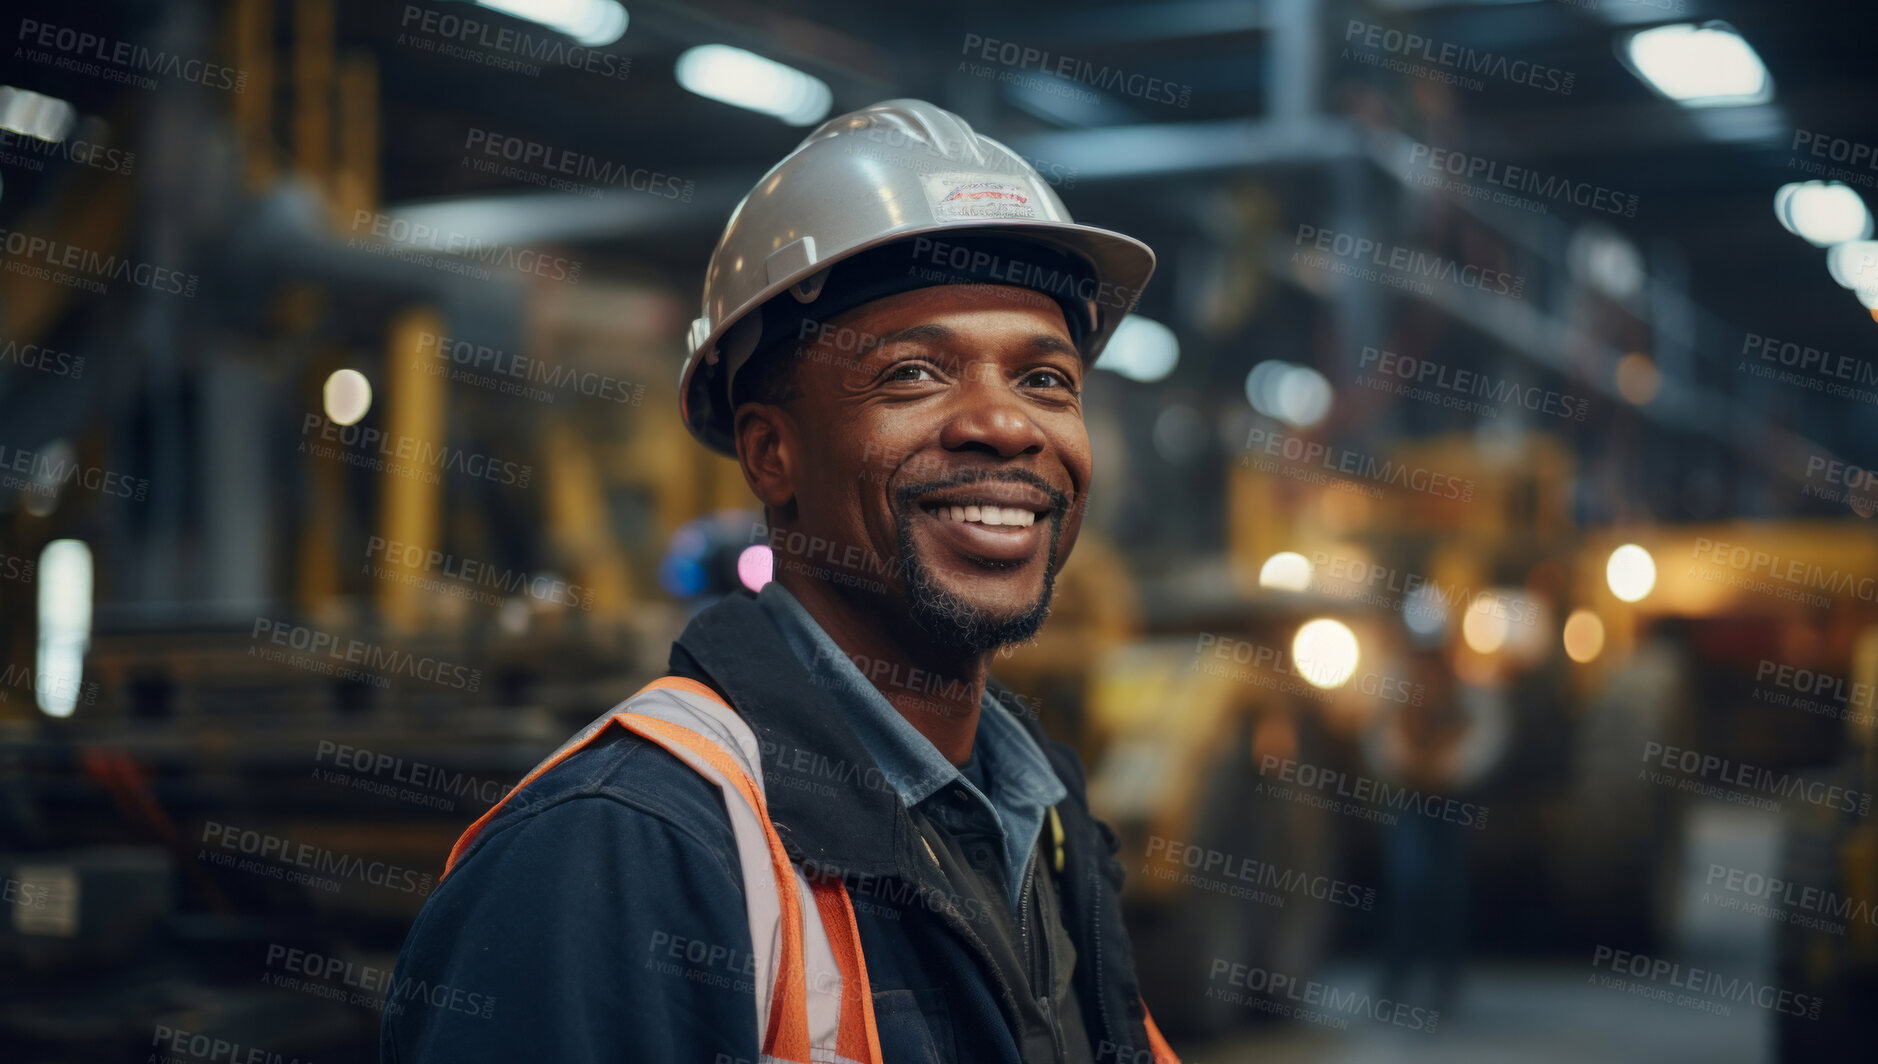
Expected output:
(1049, 378)
(909, 371)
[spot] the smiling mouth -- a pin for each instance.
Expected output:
(985, 515)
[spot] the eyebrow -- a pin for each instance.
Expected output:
(939, 334)
(1046, 342)
(929, 332)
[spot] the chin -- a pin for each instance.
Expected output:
(978, 619)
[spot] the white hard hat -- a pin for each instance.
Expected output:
(902, 172)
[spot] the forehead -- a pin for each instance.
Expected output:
(946, 314)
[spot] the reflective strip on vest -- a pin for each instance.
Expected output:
(813, 1003)
(1163, 1053)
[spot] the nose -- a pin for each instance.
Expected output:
(988, 415)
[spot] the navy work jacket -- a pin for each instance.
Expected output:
(599, 917)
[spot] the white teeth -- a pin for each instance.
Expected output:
(1013, 516)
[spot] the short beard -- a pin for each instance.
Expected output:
(953, 622)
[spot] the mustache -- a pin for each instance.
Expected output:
(904, 496)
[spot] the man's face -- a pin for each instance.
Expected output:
(942, 429)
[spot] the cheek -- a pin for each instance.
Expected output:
(823, 493)
(1066, 541)
(1071, 444)
(900, 448)
(852, 490)
(841, 498)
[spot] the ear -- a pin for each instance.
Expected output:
(768, 453)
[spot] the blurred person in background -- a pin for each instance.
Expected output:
(1438, 746)
(827, 833)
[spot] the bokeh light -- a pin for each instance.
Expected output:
(348, 396)
(1325, 652)
(1286, 571)
(1584, 636)
(1484, 628)
(756, 566)
(1637, 379)
(1631, 572)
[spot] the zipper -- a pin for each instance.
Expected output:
(1043, 982)
(1023, 910)
(1049, 982)
(949, 915)
(1094, 919)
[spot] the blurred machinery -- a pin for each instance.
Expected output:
(1833, 952)
(1181, 721)
(394, 631)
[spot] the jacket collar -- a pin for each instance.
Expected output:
(831, 805)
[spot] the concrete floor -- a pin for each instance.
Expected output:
(1530, 1014)
(1552, 1012)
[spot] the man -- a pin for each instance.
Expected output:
(898, 323)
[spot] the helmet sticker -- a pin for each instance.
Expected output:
(962, 197)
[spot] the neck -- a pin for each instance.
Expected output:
(936, 689)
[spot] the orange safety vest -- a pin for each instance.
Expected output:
(814, 1005)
